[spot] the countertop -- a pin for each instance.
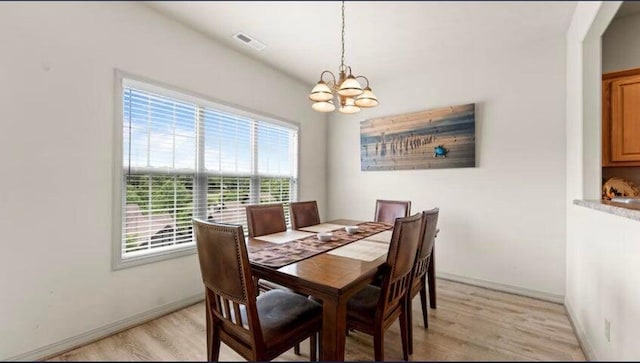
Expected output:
(619, 209)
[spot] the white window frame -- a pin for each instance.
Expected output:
(118, 261)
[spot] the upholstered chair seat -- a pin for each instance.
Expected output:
(362, 306)
(283, 316)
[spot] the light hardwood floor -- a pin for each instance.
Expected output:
(470, 323)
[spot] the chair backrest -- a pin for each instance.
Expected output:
(400, 261)
(388, 210)
(226, 274)
(427, 239)
(304, 214)
(265, 219)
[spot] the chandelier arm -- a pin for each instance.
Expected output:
(365, 78)
(332, 76)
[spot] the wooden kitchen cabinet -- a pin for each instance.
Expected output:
(621, 118)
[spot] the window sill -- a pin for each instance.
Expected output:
(120, 263)
(618, 209)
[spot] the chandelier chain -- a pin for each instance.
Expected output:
(342, 59)
(343, 87)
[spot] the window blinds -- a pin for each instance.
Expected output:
(186, 158)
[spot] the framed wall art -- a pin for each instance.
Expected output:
(437, 138)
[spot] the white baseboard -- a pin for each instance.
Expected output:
(579, 332)
(79, 340)
(502, 287)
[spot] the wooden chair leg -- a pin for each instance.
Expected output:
(208, 325)
(213, 338)
(378, 345)
(313, 344)
(404, 331)
(296, 349)
(431, 271)
(213, 351)
(410, 325)
(423, 303)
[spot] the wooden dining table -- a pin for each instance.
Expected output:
(327, 277)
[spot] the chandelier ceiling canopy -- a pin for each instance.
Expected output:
(350, 94)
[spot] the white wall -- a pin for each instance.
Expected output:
(504, 221)
(602, 249)
(56, 150)
(621, 44)
(603, 282)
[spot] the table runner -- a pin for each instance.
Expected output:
(294, 251)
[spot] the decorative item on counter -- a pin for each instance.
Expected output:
(619, 187)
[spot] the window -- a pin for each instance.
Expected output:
(184, 157)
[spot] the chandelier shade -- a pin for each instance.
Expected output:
(323, 106)
(350, 87)
(367, 99)
(349, 106)
(321, 92)
(345, 89)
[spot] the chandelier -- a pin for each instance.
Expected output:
(348, 91)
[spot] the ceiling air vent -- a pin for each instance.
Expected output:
(249, 41)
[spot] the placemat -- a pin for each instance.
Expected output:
(284, 237)
(294, 251)
(363, 250)
(382, 237)
(322, 227)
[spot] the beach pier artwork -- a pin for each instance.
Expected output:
(437, 138)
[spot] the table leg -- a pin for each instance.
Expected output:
(334, 329)
(431, 272)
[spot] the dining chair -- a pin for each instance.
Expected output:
(258, 328)
(265, 219)
(428, 232)
(388, 210)
(304, 214)
(373, 309)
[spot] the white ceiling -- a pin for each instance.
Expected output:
(382, 38)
